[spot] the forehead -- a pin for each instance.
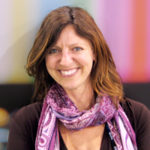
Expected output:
(69, 36)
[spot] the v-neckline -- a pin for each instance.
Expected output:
(103, 144)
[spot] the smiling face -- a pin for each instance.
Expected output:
(69, 61)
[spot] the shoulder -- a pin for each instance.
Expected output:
(28, 115)
(23, 127)
(136, 111)
(139, 116)
(135, 105)
(30, 111)
(25, 120)
(135, 108)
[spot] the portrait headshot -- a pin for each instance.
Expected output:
(80, 81)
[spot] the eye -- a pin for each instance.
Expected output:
(53, 51)
(77, 48)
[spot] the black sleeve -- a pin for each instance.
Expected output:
(139, 116)
(142, 115)
(23, 128)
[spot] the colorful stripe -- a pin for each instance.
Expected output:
(138, 64)
(148, 40)
(125, 25)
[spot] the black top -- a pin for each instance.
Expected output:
(24, 127)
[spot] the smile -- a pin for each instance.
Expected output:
(68, 72)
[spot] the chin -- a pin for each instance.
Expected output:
(69, 86)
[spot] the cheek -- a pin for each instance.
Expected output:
(47, 63)
(86, 60)
(49, 67)
(50, 63)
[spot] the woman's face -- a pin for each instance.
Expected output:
(69, 62)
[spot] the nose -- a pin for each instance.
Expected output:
(66, 58)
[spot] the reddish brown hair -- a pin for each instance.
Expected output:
(105, 79)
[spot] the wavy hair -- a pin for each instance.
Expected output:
(105, 79)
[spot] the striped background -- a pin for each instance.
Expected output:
(125, 25)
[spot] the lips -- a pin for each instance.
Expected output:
(68, 72)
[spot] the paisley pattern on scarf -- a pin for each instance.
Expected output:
(57, 105)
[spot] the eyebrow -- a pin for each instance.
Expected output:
(71, 45)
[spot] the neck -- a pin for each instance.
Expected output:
(82, 97)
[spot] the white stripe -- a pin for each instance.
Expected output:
(126, 140)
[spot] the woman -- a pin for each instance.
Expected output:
(78, 93)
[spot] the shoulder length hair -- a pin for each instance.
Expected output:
(105, 79)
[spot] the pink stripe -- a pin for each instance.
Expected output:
(115, 21)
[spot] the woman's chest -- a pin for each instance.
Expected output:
(104, 142)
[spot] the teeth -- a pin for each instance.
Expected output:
(69, 72)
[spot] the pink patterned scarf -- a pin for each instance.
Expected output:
(57, 105)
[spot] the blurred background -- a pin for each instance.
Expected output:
(125, 25)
